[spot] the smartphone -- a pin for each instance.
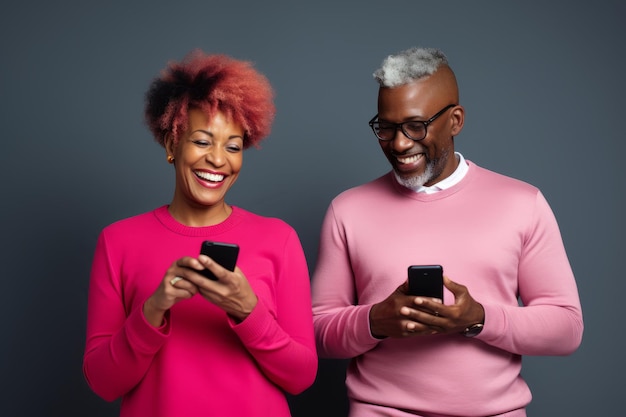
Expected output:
(426, 280)
(223, 253)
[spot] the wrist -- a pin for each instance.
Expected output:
(373, 331)
(476, 326)
(244, 311)
(153, 315)
(473, 330)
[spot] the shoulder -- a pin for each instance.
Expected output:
(262, 223)
(266, 233)
(507, 194)
(501, 183)
(130, 224)
(129, 232)
(367, 192)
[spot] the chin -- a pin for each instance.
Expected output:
(414, 180)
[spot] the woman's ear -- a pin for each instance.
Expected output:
(458, 118)
(170, 147)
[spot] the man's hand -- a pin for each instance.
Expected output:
(402, 315)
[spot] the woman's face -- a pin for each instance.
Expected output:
(207, 158)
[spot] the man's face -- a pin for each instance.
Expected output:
(432, 159)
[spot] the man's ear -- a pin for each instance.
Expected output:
(458, 118)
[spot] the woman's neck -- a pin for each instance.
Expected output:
(200, 216)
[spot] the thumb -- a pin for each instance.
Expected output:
(404, 287)
(456, 289)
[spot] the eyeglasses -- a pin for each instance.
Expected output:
(413, 129)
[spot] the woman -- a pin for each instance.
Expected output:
(161, 335)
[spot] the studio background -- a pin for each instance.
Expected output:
(542, 84)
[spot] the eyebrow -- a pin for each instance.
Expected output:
(211, 134)
(408, 119)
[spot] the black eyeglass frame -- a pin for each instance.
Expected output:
(401, 125)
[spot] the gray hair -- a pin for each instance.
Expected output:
(408, 65)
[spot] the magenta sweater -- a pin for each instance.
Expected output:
(494, 234)
(199, 363)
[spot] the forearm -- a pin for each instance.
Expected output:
(287, 359)
(115, 362)
(343, 333)
(533, 330)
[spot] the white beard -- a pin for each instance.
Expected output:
(414, 182)
(434, 168)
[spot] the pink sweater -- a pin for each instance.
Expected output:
(494, 234)
(199, 363)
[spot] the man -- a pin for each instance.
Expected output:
(495, 237)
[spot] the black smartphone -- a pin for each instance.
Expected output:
(426, 280)
(223, 253)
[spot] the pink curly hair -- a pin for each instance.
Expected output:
(210, 83)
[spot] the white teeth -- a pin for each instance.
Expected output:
(210, 177)
(408, 160)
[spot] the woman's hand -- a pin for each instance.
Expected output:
(174, 287)
(231, 292)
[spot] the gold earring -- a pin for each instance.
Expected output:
(170, 159)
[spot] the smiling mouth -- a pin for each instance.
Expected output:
(409, 159)
(207, 176)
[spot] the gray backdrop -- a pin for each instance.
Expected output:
(542, 84)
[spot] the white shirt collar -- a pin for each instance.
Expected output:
(449, 181)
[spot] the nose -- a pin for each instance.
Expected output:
(401, 142)
(216, 156)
